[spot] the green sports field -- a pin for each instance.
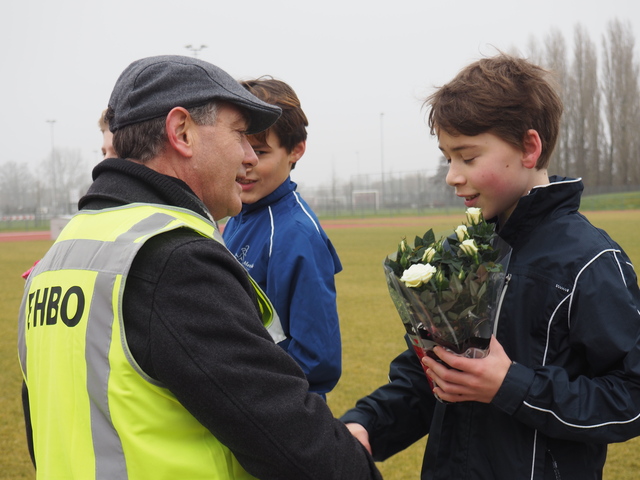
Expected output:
(372, 333)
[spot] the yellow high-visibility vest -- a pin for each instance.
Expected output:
(95, 413)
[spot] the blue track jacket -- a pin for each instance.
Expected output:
(280, 242)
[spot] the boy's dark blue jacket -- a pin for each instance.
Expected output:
(280, 242)
(571, 323)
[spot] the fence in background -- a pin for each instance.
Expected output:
(406, 193)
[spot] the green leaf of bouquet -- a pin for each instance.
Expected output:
(474, 287)
(429, 238)
(466, 311)
(493, 267)
(449, 296)
(430, 304)
(482, 290)
(455, 284)
(445, 307)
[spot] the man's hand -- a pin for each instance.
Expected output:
(468, 379)
(360, 433)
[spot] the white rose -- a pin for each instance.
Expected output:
(418, 274)
(474, 215)
(469, 247)
(461, 232)
(428, 254)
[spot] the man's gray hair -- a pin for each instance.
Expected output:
(146, 140)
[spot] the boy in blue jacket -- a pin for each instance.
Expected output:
(562, 378)
(279, 240)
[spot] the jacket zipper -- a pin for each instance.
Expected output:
(554, 464)
(507, 278)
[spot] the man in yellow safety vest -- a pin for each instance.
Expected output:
(147, 350)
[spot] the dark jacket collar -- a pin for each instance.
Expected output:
(120, 182)
(560, 197)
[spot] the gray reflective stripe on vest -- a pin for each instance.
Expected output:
(22, 320)
(275, 328)
(109, 259)
(103, 433)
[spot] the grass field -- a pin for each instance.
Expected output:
(372, 333)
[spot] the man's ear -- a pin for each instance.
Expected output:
(297, 151)
(180, 130)
(532, 145)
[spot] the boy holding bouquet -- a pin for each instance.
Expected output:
(562, 377)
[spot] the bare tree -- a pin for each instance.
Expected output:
(70, 177)
(556, 62)
(582, 110)
(534, 52)
(622, 98)
(18, 191)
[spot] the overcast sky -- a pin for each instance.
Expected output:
(349, 61)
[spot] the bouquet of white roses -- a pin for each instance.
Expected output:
(446, 291)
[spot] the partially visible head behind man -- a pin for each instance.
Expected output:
(150, 88)
(103, 124)
(502, 95)
(107, 137)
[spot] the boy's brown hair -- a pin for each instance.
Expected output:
(290, 128)
(502, 95)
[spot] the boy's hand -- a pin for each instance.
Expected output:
(360, 433)
(468, 379)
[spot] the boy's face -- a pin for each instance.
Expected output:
(487, 172)
(273, 168)
(107, 145)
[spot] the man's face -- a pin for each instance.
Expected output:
(223, 155)
(273, 168)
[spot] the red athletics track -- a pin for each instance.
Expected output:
(326, 224)
(24, 236)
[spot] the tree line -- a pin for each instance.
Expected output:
(54, 190)
(599, 138)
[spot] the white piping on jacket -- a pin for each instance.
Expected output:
(533, 459)
(272, 231)
(583, 269)
(296, 196)
(305, 211)
(507, 279)
(550, 322)
(604, 424)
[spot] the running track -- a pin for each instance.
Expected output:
(24, 236)
(326, 224)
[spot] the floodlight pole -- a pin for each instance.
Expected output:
(54, 182)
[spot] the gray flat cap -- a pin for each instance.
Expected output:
(150, 87)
